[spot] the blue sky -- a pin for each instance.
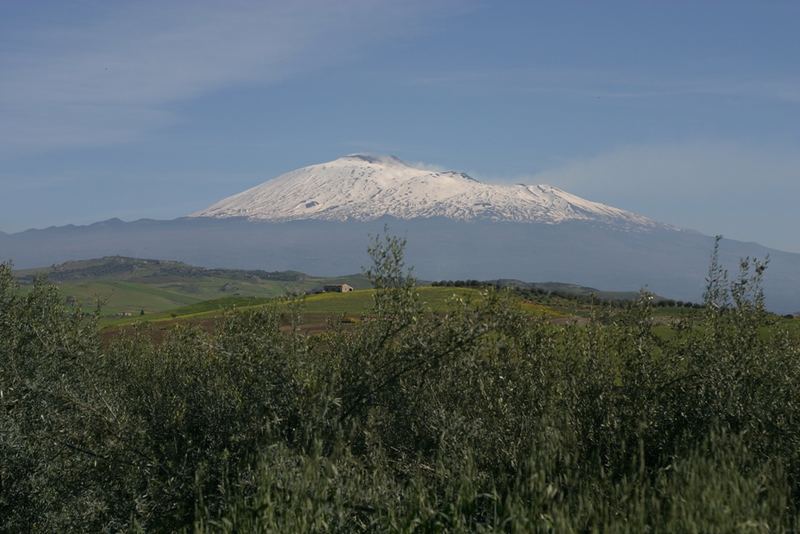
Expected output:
(688, 112)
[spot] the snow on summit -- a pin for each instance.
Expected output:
(364, 187)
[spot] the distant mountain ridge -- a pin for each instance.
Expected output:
(123, 267)
(364, 188)
(670, 263)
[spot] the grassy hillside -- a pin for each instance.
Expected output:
(317, 309)
(130, 290)
(168, 292)
(551, 289)
(130, 286)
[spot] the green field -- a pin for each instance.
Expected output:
(123, 297)
(317, 307)
(127, 287)
(132, 291)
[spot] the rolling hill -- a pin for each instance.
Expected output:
(129, 286)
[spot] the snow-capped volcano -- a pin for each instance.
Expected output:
(363, 188)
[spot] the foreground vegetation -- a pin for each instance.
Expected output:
(479, 418)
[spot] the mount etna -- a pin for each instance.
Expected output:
(319, 218)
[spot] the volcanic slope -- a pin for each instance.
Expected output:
(365, 188)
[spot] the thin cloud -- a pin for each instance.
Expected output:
(708, 186)
(689, 167)
(427, 166)
(605, 84)
(114, 77)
